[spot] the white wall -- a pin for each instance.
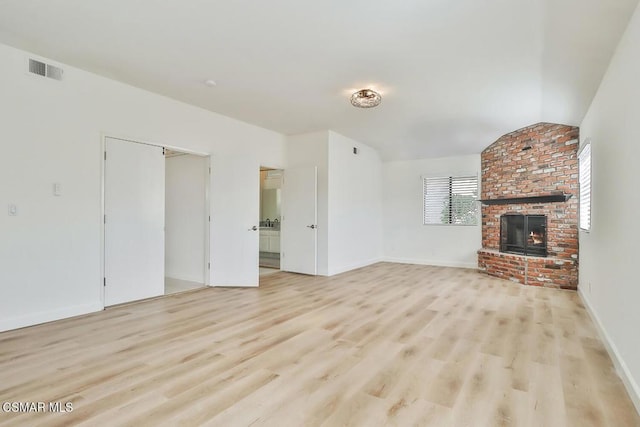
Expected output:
(608, 275)
(185, 217)
(349, 198)
(355, 205)
(312, 149)
(406, 239)
(50, 254)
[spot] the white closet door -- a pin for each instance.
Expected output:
(134, 224)
(235, 211)
(299, 228)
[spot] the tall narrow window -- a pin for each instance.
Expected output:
(585, 186)
(450, 200)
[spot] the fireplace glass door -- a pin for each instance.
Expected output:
(524, 234)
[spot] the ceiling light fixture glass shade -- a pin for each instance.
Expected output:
(366, 98)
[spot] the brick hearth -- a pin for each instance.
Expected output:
(550, 166)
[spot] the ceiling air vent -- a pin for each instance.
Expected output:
(45, 70)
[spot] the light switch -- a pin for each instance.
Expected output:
(57, 189)
(13, 210)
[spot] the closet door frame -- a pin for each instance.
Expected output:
(103, 144)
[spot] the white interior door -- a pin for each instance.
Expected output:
(235, 209)
(134, 221)
(299, 228)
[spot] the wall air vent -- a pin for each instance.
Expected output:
(54, 72)
(37, 67)
(45, 70)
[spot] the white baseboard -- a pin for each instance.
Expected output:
(345, 268)
(436, 263)
(621, 367)
(48, 316)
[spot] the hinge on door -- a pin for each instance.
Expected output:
(209, 218)
(209, 266)
(209, 171)
(105, 219)
(104, 283)
(105, 155)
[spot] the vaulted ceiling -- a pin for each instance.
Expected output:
(454, 74)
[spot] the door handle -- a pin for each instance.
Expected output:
(254, 228)
(312, 226)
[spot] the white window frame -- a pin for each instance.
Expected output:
(585, 205)
(425, 178)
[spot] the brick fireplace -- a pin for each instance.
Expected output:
(530, 192)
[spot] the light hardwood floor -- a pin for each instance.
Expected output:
(389, 344)
(173, 286)
(264, 271)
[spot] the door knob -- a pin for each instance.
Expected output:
(254, 228)
(312, 226)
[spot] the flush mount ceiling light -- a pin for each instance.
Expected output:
(366, 98)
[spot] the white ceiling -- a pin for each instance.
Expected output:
(454, 74)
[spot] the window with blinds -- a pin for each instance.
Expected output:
(584, 167)
(450, 200)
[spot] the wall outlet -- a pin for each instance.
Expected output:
(57, 189)
(13, 210)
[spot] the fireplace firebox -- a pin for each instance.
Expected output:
(523, 234)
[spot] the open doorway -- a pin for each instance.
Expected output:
(186, 221)
(156, 220)
(270, 220)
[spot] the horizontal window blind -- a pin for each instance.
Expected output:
(585, 187)
(450, 200)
